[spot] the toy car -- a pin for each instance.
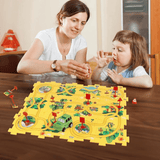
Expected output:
(63, 123)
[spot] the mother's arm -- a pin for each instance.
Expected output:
(81, 58)
(30, 64)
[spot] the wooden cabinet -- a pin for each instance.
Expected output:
(155, 33)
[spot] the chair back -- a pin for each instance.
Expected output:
(155, 68)
(9, 61)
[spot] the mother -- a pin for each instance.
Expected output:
(61, 49)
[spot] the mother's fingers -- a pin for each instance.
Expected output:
(72, 71)
(78, 73)
(82, 76)
(89, 68)
(74, 65)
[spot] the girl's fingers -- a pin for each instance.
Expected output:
(102, 54)
(109, 59)
(105, 54)
(114, 71)
(98, 54)
(96, 59)
(110, 73)
(108, 70)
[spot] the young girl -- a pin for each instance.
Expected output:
(130, 64)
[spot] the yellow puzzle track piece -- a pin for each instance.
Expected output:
(55, 109)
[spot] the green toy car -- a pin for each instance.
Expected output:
(63, 123)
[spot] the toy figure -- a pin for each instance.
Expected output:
(10, 42)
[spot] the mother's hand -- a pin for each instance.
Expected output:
(73, 67)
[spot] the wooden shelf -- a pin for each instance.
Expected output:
(15, 52)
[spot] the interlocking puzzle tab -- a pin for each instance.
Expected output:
(74, 112)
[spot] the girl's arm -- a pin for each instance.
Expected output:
(81, 56)
(96, 75)
(144, 81)
(102, 60)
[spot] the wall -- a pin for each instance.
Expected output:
(28, 17)
(110, 13)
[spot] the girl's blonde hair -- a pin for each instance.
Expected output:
(138, 47)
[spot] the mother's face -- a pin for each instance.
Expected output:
(72, 26)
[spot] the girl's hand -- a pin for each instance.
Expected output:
(102, 59)
(116, 78)
(75, 68)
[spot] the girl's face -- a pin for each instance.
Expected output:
(72, 26)
(121, 54)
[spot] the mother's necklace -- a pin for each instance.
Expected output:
(64, 47)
